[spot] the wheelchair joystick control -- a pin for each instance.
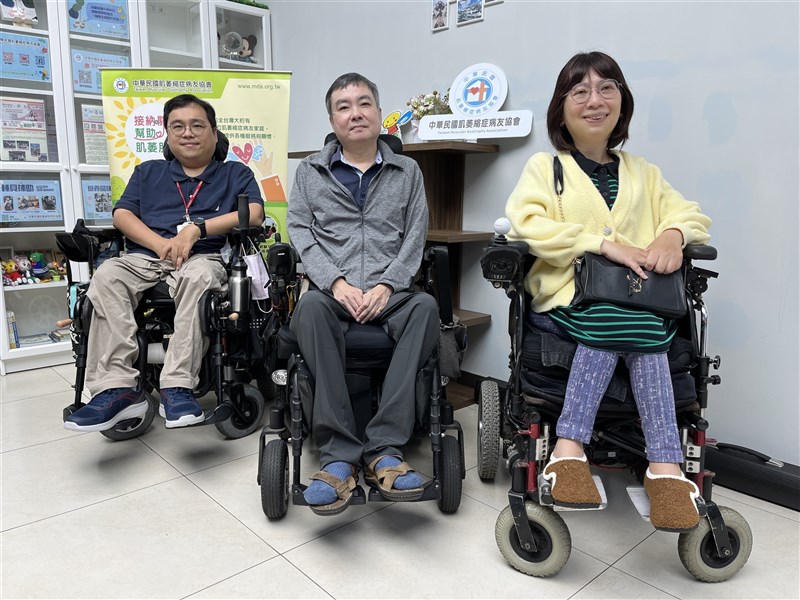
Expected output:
(239, 286)
(501, 227)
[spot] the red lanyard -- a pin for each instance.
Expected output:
(191, 197)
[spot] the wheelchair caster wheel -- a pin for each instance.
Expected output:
(133, 428)
(488, 429)
(275, 479)
(247, 417)
(699, 555)
(450, 475)
(550, 533)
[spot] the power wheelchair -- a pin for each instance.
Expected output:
(237, 326)
(518, 424)
(368, 354)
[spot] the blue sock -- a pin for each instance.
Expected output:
(320, 493)
(409, 481)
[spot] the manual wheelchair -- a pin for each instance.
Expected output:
(237, 326)
(519, 422)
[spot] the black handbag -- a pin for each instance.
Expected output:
(598, 279)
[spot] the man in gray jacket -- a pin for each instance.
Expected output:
(358, 217)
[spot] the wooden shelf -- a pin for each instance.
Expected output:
(471, 318)
(452, 147)
(447, 236)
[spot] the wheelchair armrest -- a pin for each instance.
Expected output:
(436, 269)
(699, 252)
(502, 261)
(83, 244)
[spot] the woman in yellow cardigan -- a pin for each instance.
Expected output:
(618, 205)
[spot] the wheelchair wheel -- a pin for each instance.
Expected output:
(488, 429)
(242, 425)
(698, 553)
(275, 479)
(450, 475)
(553, 541)
(133, 428)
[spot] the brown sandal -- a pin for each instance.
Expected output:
(672, 502)
(344, 491)
(572, 483)
(383, 480)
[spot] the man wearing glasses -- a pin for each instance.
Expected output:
(174, 215)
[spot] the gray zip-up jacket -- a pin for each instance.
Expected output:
(383, 243)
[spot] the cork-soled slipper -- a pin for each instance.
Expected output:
(672, 502)
(572, 483)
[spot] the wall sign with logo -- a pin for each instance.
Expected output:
(476, 96)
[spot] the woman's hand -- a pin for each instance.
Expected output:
(632, 257)
(665, 254)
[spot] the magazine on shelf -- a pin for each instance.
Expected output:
(100, 17)
(97, 199)
(33, 339)
(94, 134)
(86, 69)
(23, 132)
(30, 200)
(25, 57)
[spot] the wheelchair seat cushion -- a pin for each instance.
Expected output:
(366, 345)
(546, 359)
(157, 295)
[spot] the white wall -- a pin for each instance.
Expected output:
(716, 89)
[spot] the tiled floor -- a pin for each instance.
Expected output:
(177, 514)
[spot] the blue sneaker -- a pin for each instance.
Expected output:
(179, 408)
(107, 409)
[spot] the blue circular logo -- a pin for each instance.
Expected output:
(477, 92)
(120, 85)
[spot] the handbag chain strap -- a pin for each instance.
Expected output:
(558, 185)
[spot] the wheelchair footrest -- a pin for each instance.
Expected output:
(222, 412)
(641, 501)
(431, 491)
(546, 499)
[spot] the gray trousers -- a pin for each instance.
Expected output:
(320, 322)
(116, 288)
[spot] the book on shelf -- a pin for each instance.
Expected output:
(34, 339)
(13, 336)
(60, 335)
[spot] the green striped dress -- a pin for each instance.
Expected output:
(606, 326)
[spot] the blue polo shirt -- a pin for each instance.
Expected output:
(152, 195)
(350, 177)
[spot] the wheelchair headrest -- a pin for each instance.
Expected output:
(395, 143)
(220, 153)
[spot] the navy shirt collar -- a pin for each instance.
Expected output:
(338, 156)
(177, 173)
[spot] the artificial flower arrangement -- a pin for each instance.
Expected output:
(430, 104)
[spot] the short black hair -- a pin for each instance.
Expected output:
(347, 80)
(573, 72)
(185, 100)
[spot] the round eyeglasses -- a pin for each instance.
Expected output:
(195, 128)
(607, 88)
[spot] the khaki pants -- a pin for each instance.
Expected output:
(115, 291)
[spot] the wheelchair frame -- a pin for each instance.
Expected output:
(530, 535)
(287, 420)
(240, 406)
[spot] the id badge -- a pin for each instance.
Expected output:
(182, 226)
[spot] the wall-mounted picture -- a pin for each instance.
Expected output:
(469, 11)
(440, 15)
